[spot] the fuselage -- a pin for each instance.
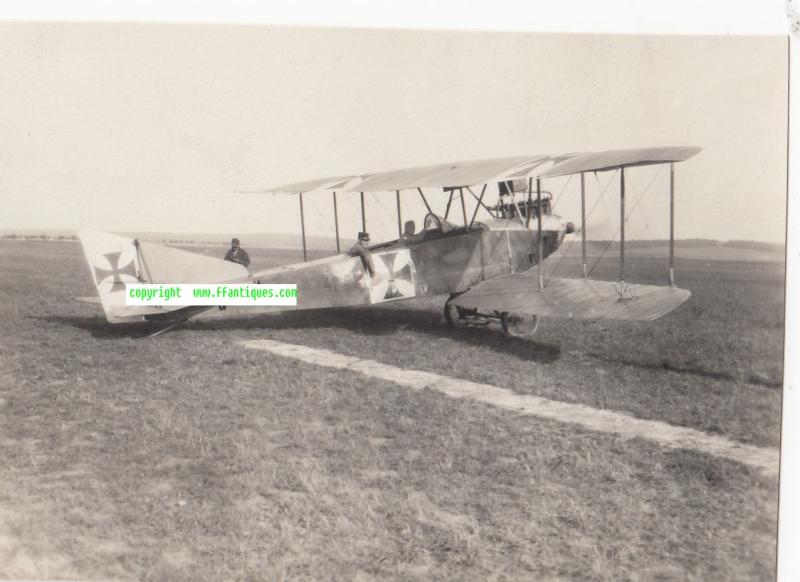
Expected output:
(430, 263)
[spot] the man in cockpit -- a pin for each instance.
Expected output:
(409, 230)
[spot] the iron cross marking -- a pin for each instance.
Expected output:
(404, 273)
(115, 272)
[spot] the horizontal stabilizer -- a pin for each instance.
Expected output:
(572, 298)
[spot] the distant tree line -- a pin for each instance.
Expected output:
(751, 244)
(698, 242)
(40, 236)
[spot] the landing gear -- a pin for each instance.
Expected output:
(451, 314)
(512, 324)
(515, 325)
(456, 316)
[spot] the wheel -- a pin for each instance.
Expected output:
(516, 325)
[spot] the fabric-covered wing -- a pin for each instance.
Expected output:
(571, 298)
(477, 172)
(441, 175)
(454, 174)
(310, 185)
(608, 160)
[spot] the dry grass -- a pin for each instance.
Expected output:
(188, 457)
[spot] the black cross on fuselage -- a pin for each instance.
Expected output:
(404, 273)
(115, 272)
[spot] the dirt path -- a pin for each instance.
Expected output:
(763, 458)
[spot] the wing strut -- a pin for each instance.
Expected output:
(528, 210)
(622, 231)
(449, 202)
(303, 228)
(463, 205)
(336, 223)
(672, 224)
(428, 206)
(583, 223)
(539, 239)
(478, 205)
(363, 215)
(399, 215)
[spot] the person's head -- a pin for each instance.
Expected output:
(409, 228)
(235, 243)
(363, 238)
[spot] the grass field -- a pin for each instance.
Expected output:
(187, 457)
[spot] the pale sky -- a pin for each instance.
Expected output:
(154, 127)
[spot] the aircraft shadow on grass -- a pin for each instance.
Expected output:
(370, 322)
(380, 322)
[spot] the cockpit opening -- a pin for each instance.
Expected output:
(433, 226)
(435, 223)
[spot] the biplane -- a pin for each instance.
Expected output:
(490, 269)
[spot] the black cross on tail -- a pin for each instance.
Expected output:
(113, 259)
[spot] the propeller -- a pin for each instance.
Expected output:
(597, 227)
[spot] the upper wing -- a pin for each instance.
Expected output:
(572, 298)
(477, 172)
(454, 174)
(450, 175)
(609, 160)
(308, 186)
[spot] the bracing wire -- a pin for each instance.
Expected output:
(600, 197)
(627, 216)
(563, 189)
(648, 230)
(316, 202)
(377, 199)
(588, 216)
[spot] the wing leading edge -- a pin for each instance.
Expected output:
(477, 172)
(612, 159)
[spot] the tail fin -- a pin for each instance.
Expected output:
(116, 260)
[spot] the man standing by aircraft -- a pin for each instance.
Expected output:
(237, 254)
(360, 250)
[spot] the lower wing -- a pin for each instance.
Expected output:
(572, 298)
